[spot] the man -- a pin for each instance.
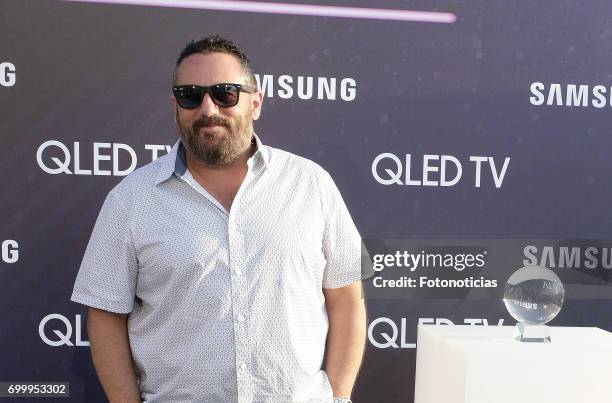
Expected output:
(225, 270)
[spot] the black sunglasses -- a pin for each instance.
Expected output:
(223, 95)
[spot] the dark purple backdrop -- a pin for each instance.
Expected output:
(98, 73)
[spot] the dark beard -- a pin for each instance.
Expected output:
(214, 148)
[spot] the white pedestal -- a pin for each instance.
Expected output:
(484, 364)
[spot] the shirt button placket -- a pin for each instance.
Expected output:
(238, 280)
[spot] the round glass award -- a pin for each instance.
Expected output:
(533, 296)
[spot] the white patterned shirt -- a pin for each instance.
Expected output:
(223, 306)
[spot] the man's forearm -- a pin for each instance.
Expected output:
(345, 343)
(112, 357)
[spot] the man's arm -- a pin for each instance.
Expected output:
(346, 337)
(112, 357)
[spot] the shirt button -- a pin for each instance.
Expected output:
(243, 366)
(240, 318)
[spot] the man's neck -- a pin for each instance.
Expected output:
(221, 181)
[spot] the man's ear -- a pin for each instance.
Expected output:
(174, 107)
(256, 103)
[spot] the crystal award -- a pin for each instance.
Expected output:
(533, 296)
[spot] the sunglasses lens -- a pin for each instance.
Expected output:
(188, 97)
(225, 95)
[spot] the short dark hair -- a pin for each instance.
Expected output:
(215, 43)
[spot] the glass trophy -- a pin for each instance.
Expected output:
(533, 296)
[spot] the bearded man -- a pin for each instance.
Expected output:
(226, 270)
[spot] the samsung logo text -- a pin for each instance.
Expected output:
(10, 251)
(569, 257)
(570, 95)
(8, 74)
(301, 87)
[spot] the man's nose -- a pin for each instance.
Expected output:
(208, 107)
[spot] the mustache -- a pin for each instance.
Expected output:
(209, 120)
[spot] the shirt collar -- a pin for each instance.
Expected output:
(175, 161)
(262, 153)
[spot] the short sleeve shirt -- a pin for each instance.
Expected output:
(223, 306)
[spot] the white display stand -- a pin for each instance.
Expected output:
(484, 364)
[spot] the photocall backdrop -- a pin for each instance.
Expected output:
(482, 120)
